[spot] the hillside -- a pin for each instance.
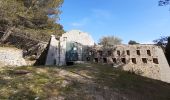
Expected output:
(78, 82)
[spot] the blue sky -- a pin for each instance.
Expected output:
(139, 20)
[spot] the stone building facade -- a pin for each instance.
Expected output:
(146, 60)
(71, 46)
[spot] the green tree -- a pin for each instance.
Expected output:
(107, 41)
(34, 18)
(164, 2)
(132, 42)
(162, 41)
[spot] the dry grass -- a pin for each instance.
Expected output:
(78, 82)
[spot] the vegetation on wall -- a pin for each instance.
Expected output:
(107, 41)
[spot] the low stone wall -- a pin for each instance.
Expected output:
(11, 57)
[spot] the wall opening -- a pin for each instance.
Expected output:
(114, 60)
(124, 60)
(148, 52)
(69, 63)
(128, 52)
(138, 52)
(118, 53)
(88, 58)
(155, 60)
(104, 60)
(96, 60)
(144, 60)
(134, 60)
(109, 53)
(100, 53)
(55, 62)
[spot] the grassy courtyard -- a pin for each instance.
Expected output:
(78, 82)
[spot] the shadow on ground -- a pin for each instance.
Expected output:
(79, 82)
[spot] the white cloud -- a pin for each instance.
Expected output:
(75, 24)
(147, 42)
(80, 23)
(101, 13)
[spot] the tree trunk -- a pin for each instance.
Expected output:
(6, 34)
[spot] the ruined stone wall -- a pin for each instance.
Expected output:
(146, 60)
(11, 57)
(31, 46)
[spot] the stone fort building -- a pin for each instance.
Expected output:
(71, 46)
(146, 60)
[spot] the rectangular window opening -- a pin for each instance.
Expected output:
(134, 60)
(155, 60)
(148, 52)
(144, 60)
(96, 60)
(104, 60)
(128, 52)
(124, 60)
(138, 52)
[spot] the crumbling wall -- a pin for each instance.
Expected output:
(11, 57)
(146, 60)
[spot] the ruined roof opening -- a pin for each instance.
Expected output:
(148, 52)
(134, 61)
(138, 52)
(144, 60)
(155, 60)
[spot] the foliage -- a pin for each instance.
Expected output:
(31, 16)
(162, 41)
(164, 2)
(107, 41)
(131, 42)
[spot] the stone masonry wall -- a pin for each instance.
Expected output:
(11, 57)
(146, 60)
